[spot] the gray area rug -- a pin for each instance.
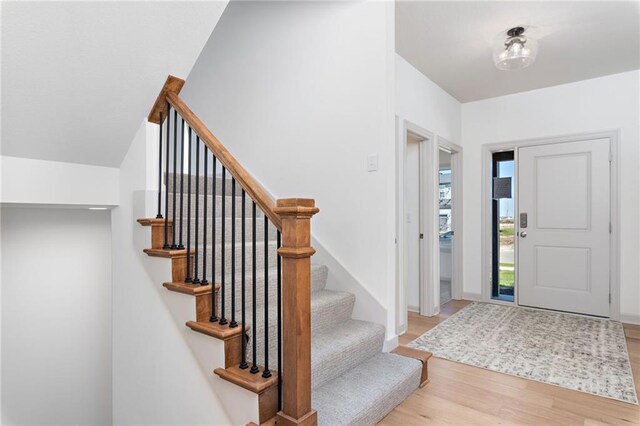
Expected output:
(571, 351)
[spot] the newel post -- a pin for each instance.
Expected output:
(296, 252)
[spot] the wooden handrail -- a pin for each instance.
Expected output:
(255, 191)
(173, 85)
(293, 218)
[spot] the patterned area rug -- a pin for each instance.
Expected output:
(574, 352)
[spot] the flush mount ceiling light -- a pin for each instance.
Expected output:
(516, 52)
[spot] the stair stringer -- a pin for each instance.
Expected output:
(367, 306)
(144, 391)
(241, 405)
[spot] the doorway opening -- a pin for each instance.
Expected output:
(414, 232)
(421, 223)
(445, 225)
(503, 229)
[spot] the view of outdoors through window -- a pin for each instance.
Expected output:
(446, 225)
(506, 237)
(445, 202)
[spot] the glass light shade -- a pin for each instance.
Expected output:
(515, 53)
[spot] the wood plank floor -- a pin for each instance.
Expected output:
(459, 394)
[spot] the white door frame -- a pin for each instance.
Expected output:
(430, 250)
(614, 241)
(456, 218)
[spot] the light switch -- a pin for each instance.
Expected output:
(372, 162)
(409, 218)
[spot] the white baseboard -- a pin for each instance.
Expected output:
(471, 296)
(390, 344)
(630, 318)
(413, 308)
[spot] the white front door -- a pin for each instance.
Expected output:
(563, 252)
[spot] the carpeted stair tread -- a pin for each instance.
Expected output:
(339, 349)
(327, 309)
(368, 392)
(353, 381)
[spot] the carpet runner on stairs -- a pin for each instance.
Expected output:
(353, 381)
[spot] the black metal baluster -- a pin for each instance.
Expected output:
(233, 322)
(279, 301)
(188, 277)
(204, 225)
(214, 317)
(180, 246)
(266, 373)
(254, 367)
(159, 215)
(223, 243)
(175, 171)
(196, 280)
(243, 364)
(166, 245)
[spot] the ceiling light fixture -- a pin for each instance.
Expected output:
(517, 51)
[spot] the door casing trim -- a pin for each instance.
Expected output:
(429, 292)
(614, 240)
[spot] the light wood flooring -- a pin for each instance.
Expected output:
(459, 394)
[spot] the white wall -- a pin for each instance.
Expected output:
(423, 104)
(56, 316)
(606, 103)
(301, 93)
(28, 181)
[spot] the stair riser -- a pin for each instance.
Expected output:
(318, 283)
(185, 184)
(272, 260)
(339, 362)
(228, 206)
(228, 223)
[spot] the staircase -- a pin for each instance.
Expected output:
(287, 338)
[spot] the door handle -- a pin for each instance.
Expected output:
(523, 234)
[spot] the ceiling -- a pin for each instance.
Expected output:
(451, 42)
(79, 77)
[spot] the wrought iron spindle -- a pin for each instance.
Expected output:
(223, 242)
(204, 281)
(279, 319)
(233, 322)
(196, 280)
(266, 373)
(166, 245)
(213, 317)
(175, 169)
(188, 277)
(254, 367)
(180, 245)
(243, 364)
(159, 215)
